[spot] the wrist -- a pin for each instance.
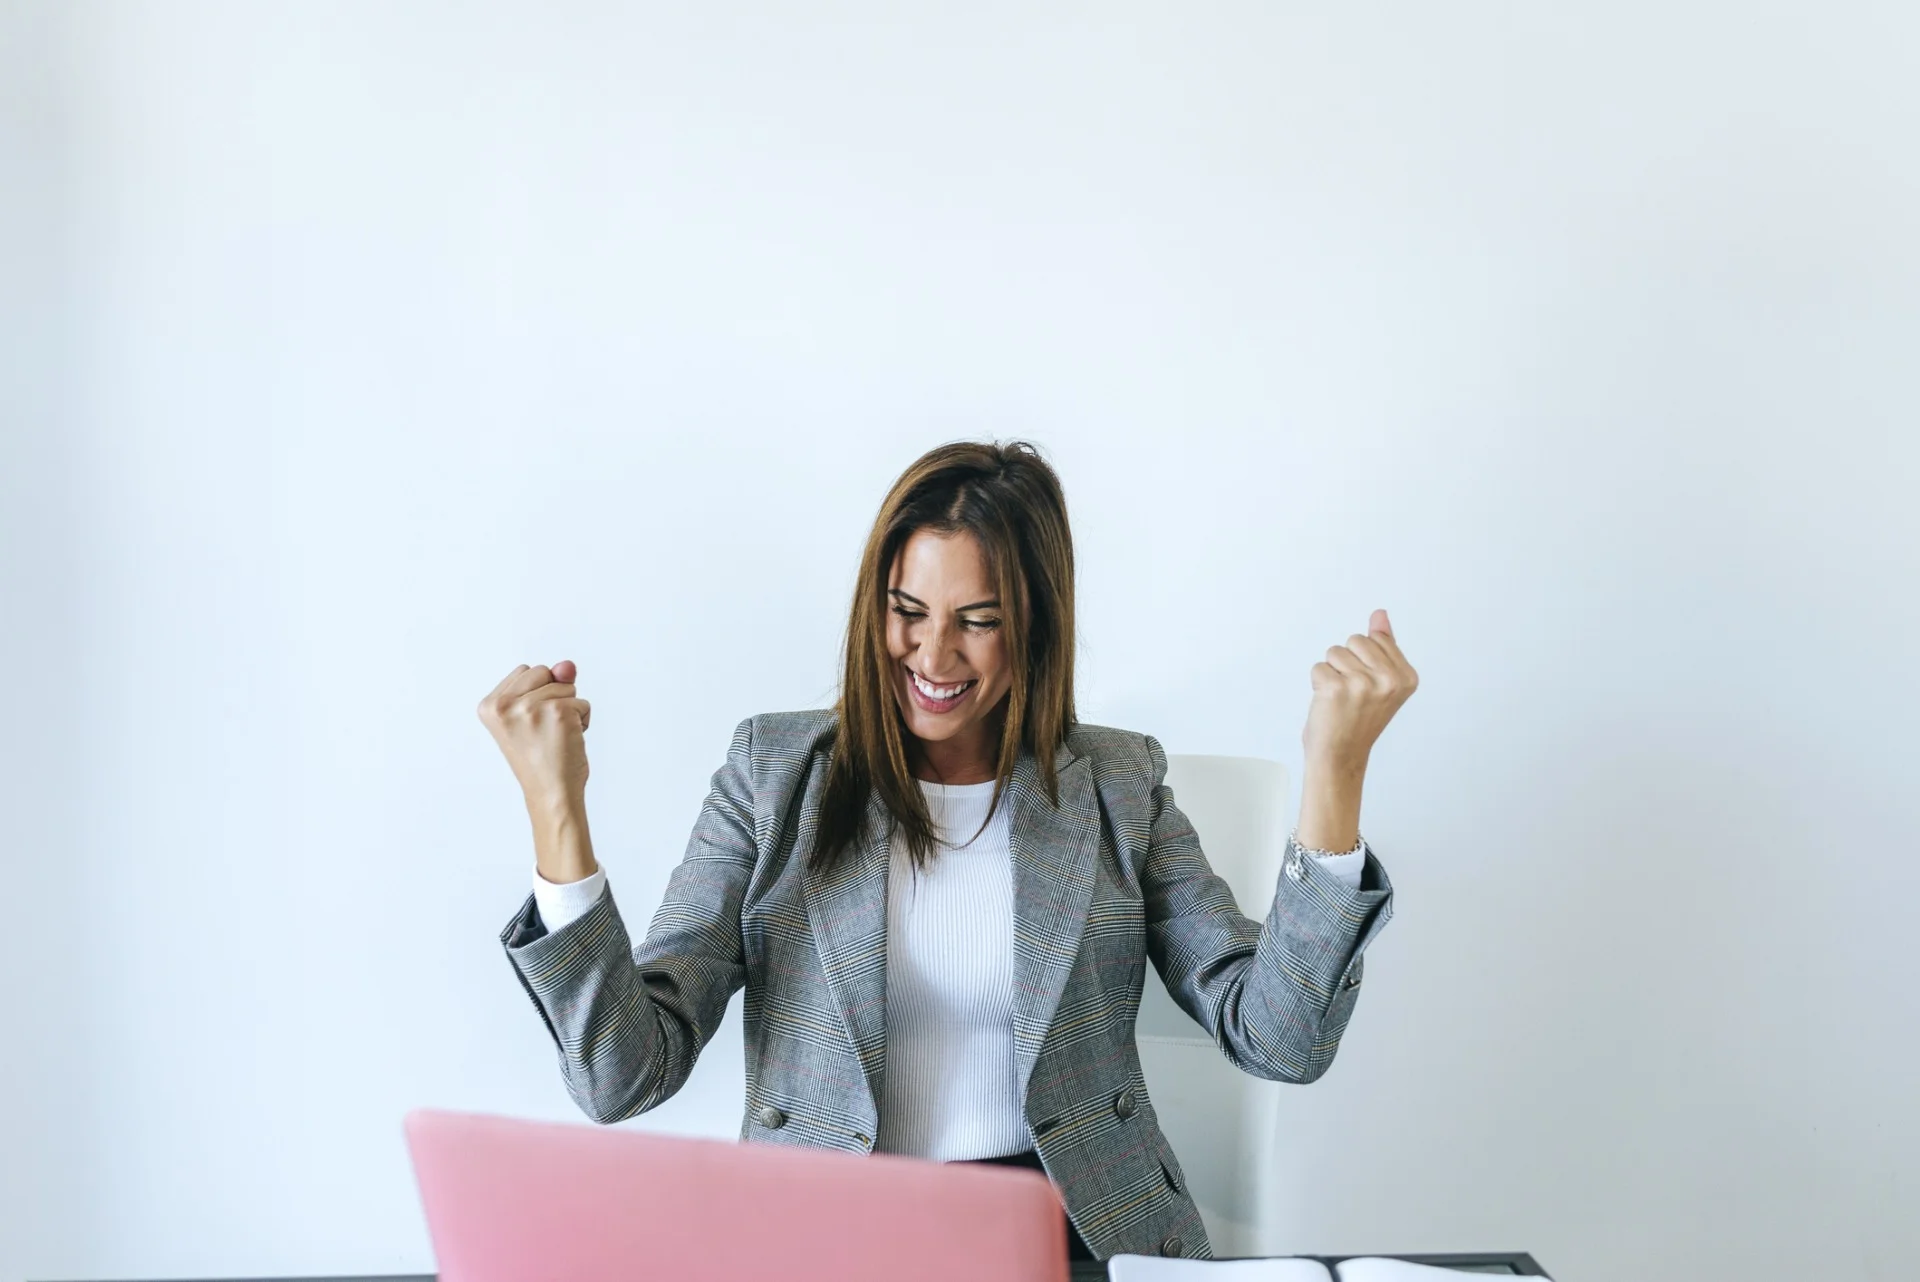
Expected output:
(1335, 767)
(556, 809)
(562, 845)
(1330, 804)
(1354, 847)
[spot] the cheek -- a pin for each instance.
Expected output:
(989, 658)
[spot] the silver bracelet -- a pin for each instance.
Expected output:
(1295, 850)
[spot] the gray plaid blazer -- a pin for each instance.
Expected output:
(1111, 878)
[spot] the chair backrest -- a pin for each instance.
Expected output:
(1222, 1122)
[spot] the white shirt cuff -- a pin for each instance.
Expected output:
(1348, 867)
(562, 902)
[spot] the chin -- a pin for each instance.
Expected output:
(923, 725)
(942, 728)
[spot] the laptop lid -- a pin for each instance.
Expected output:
(512, 1200)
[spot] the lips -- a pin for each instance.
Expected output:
(941, 690)
(936, 703)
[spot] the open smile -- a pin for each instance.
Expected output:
(938, 698)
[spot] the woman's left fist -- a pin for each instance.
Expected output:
(1355, 693)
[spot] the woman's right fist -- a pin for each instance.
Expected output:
(540, 725)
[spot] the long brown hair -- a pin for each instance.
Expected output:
(1009, 498)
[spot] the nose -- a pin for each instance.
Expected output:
(933, 657)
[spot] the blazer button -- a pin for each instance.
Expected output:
(772, 1117)
(1171, 1246)
(1124, 1105)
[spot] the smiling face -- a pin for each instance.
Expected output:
(946, 627)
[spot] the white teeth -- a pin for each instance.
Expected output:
(937, 692)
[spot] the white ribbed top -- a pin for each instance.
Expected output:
(951, 1088)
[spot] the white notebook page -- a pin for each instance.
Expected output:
(1154, 1268)
(1375, 1269)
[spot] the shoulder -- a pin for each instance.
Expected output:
(1114, 753)
(772, 755)
(797, 737)
(790, 736)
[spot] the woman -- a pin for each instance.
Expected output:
(941, 893)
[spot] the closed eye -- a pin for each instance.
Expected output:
(980, 625)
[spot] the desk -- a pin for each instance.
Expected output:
(1499, 1264)
(1505, 1264)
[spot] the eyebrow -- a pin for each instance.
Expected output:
(993, 603)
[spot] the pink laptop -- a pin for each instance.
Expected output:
(509, 1200)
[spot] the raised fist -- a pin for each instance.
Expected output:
(540, 725)
(1356, 691)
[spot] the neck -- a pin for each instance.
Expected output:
(968, 757)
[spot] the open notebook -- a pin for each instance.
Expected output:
(1152, 1268)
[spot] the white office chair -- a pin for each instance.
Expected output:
(1222, 1122)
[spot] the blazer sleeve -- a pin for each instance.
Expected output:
(1274, 995)
(629, 1022)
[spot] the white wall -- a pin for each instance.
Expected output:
(358, 353)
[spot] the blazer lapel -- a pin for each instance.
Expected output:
(1053, 853)
(847, 908)
(1053, 876)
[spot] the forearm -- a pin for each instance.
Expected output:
(1330, 804)
(562, 843)
(1273, 991)
(1299, 987)
(617, 1055)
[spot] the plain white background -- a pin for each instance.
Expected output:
(353, 354)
